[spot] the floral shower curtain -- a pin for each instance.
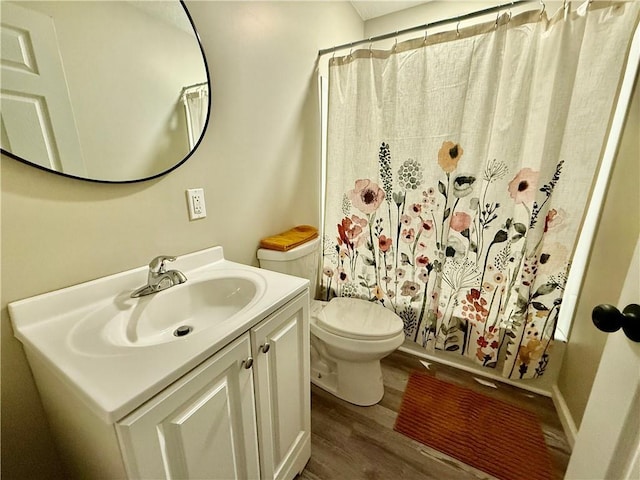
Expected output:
(459, 166)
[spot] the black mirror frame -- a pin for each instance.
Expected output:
(165, 172)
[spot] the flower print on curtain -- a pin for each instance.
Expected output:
(450, 200)
(448, 262)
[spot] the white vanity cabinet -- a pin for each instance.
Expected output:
(126, 397)
(242, 414)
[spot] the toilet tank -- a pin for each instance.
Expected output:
(301, 261)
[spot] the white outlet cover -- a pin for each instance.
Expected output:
(196, 202)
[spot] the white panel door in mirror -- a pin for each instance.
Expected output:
(37, 116)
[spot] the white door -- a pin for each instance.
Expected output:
(201, 427)
(608, 442)
(36, 115)
(281, 350)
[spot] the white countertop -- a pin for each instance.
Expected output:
(62, 328)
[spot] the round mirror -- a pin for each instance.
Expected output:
(108, 91)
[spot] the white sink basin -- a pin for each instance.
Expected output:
(171, 315)
(185, 309)
(116, 351)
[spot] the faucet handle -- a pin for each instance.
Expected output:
(157, 264)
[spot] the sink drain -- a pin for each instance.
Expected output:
(183, 330)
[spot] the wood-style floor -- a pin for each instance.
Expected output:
(351, 443)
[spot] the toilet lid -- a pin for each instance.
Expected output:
(359, 319)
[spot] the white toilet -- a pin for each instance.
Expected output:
(349, 336)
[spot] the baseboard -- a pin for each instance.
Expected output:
(566, 419)
(413, 349)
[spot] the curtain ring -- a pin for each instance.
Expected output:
(370, 47)
(395, 44)
(458, 29)
(425, 36)
(544, 8)
(495, 27)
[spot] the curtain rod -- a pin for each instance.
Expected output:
(425, 26)
(195, 85)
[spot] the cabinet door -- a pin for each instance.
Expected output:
(281, 350)
(202, 426)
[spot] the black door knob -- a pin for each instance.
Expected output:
(609, 319)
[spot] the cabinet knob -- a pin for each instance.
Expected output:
(248, 363)
(265, 348)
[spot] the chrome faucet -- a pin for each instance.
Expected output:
(159, 278)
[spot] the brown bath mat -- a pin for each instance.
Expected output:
(493, 436)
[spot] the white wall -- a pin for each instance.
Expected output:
(611, 253)
(258, 164)
(426, 13)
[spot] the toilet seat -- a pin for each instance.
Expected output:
(359, 319)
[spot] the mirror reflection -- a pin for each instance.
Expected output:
(113, 91)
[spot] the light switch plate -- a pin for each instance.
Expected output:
(195, 200)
